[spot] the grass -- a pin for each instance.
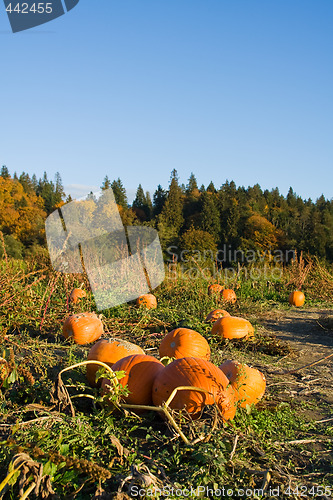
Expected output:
(102, 454)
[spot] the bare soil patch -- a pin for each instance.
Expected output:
(309, 333)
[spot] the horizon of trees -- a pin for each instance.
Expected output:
(186, 216)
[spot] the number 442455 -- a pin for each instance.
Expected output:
(35, 8)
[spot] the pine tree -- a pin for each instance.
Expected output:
(34, 182)
(26, 182)
(210, 217)
(4, 172)
(159, 200)
(149, 206)
(140, 198)
(192, 186)
(59, 193)
(119, 193)
(172, 213)
(211, 187)
(106, 183)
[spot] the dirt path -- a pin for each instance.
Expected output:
(309, 332)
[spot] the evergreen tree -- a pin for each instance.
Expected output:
(172, 213)
(4, 172)
(159, 200)
(211, 187)
(106, 183)
(140, 198)
(26, 182)
(34, 182)
(149, 206)
(141, 206)
(192, 186)
(210, 217)
(59, 193)
(119, 193)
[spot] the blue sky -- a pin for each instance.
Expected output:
(239, 90)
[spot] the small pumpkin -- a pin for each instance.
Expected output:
(148, 300)
(249, 383)
(141, 371)
(84, 328)
(76, 294)
(215, 289)
(184, 342)
(232, 327)
(194, 372)
(109, 351)
(215, 315)
(296, 298)
(229, 295)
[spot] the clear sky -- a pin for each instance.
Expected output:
(227, 89)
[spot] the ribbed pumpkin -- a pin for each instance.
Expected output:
(76, 294)
(194, 372)
(229, 295)
(109, 351)
(296, 298)
(249, 383)
(84, 328)
(232, 327)
(141, 371)
(148, 300)
(215, 289)
(184, 342)
(216, 314)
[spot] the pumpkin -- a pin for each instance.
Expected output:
(199, 373)
(296, 298)
(148, 300)
(216, 314)
(76, 294)
(184, 342)
(83, 328)
(109, 351)
(215, 289)
(229, 295)
(232, 327)
(141, 371)
(249, 383)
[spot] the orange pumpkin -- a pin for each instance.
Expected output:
(215, 289)
(109, 351)
(76, 294)
(194, 372)
(184, 342)
(148, 300)
(216, 314)
(249, 383)
(229, 295)
(232, 327)
(296, 298)
(141, 371)
(83, 328)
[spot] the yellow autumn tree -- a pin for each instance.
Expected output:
(22, 215)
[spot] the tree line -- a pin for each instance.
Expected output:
(187, 217)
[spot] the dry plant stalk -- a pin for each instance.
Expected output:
(4, 247)
(61, 397)
(299, 270)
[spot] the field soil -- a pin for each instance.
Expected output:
(309, 334)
